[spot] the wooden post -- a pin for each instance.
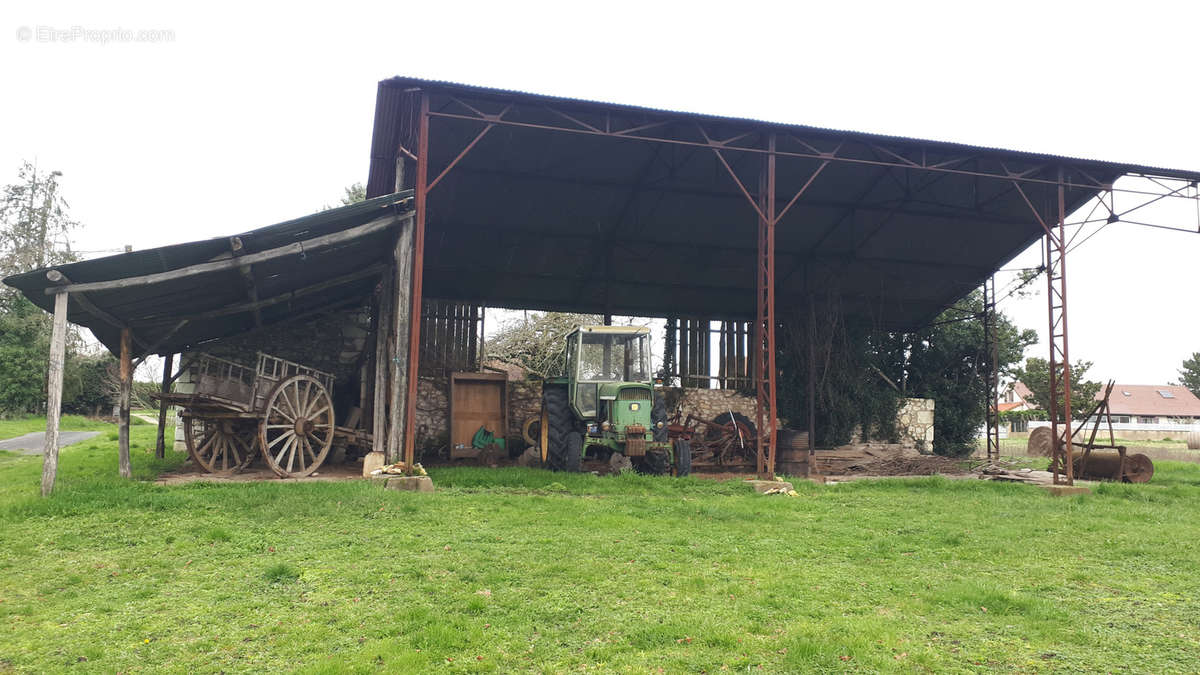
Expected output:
(126, 392)
(58, 343)
(382, 336)
(160, 445)
(403, 320)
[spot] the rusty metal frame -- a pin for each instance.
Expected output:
(991, 329)
(1056, 243)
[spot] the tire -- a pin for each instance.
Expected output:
(656, 462)
(659, 414)
(573, 453)
(683, 458)
(559, 423)
(724, 418)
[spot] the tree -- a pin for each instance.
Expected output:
(536, 342)
(1036, 375)
(948, 362)
(24, 344)
(354, 194)
(34, 226)
(34, 233)
(1189, 374)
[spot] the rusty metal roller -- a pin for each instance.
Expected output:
(1105, 465)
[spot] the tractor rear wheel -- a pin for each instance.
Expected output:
(683, 457)
(559, 423)
(658, 415)
(573, 453)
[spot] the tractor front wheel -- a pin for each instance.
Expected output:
(683, 457)
(658, 415)
(656, 462)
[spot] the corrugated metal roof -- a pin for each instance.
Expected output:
(404, 82)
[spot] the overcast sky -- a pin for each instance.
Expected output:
(238, 117)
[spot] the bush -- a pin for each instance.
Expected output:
(85, 389)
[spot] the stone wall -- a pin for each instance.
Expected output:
(432, 413)
(330, 342)
(709, 403)
(914, 423)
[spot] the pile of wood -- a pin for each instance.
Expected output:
(877, 459)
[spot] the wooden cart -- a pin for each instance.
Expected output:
(281, 410)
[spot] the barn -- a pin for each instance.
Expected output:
(480, 197)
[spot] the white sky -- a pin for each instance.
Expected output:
(256, 114)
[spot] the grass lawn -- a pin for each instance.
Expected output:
(525, 570)
(19, 426)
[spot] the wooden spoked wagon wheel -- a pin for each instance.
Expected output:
(220, 445)
(297, 428)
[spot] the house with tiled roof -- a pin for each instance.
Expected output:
(1156, 404)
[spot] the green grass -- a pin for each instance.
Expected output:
(19, 426)
(524, 570)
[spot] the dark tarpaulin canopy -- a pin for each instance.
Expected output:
(290, 269)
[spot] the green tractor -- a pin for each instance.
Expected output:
(606, 404)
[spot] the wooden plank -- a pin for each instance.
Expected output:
(291, 295)
(402, 319)
(54, 384)
(124, 467)
(160, 444)
(60, 279)
(295, 248)
(379, 417)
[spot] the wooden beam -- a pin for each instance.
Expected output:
(247, 272)
(126, 390)
(61, 279)
(160, 342)
(383, 330)
(160, 444)
(402, 319)
(290, 295)
(58, 342)
(295, 248)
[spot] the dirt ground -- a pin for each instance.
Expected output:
(189, 473)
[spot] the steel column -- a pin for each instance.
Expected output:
(1060, 364)
(991, 329)
(764, 324)
(414, 334)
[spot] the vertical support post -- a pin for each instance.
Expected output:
(812, 382)
(764, 325)
(671, 342)
(383, 330)
(58, 343)
(991, 330)
(414, 336)
(402, 323)
(126, 371)
(160, 442)
(1060, 363)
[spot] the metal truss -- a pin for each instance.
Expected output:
(1040, 175)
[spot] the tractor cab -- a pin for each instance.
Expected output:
(606, 364)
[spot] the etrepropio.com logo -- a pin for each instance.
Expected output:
(85, 34)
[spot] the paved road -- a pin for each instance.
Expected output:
(32, 444)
